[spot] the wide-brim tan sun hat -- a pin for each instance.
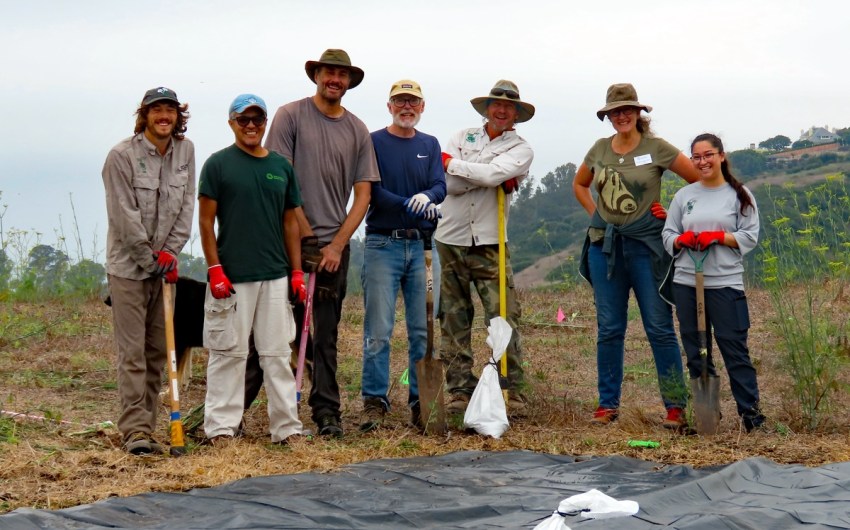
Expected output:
(335, 57)
(621, 95)
(507, 91)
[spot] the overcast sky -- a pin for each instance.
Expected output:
(72, 74)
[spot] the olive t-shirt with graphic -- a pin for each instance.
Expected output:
(627, 185)
(251, 195)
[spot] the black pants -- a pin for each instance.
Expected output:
(321, 345)
(728, 319)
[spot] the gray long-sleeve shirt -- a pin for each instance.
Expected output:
(150, 200)
(698, 208)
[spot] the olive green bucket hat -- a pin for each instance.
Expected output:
(621, 95)
(334, 57)
(508, 91)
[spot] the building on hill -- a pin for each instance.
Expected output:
(819, 135)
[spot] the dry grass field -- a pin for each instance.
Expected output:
(57, 364)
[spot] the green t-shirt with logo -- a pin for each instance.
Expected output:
(251, 195)
(627, 185)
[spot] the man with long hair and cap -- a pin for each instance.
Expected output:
(331, 151)
(477, 161)
(150, 197)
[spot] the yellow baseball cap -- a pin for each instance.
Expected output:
(406, 86)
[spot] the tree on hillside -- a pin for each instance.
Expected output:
(85, 278)
(777, 143)
(46, 268)
(801, 144)
(747, 163)
(6, 267)
(844, 135)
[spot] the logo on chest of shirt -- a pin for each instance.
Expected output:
(143, 168)
(470, 138)
(614, 194)
(689, 207)
(183, 168)
(421, 156)
(269, 176)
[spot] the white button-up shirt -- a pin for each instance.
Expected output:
(479, 165)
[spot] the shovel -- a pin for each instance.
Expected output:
(429, 371)
(705, 389)
(178, 447)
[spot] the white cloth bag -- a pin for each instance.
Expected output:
(486, 412)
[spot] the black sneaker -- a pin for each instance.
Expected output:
(416, 415)
(329, 426)
(754, 423)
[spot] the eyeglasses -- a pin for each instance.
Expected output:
(498, 92)
(625, 111)
(707, 157)
(412, 101)
(243, 121)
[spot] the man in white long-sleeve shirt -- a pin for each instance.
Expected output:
(477, 162)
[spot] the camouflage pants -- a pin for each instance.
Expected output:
(462, 268)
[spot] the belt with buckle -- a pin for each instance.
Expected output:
(398, 233)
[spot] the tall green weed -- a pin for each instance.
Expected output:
(806, 266)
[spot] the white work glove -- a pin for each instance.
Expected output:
(432, 213)
(416, 205)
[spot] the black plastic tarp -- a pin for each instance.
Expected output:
(484, 490)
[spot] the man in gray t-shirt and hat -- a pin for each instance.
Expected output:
(332, 153)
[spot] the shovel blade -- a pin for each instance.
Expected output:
(706, 404)
(429, 376)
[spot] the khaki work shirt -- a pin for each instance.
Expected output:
(479, 165)
(150, 200)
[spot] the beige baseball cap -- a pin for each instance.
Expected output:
(406, 86)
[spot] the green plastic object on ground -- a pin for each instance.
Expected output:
(644, 443)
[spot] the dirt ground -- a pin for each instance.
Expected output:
(57, 368)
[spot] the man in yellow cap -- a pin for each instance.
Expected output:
(401, 220)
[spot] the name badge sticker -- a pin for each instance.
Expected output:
(642, 160)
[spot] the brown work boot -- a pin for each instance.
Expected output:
(373, 413)
(675, 420)
(457, 403)
(138, 444)
(604, 416)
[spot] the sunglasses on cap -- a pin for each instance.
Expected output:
(243, 121)
(511, 94)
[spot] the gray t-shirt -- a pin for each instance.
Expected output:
(698, 208)
(329, 155)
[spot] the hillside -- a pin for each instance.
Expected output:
(547, 227)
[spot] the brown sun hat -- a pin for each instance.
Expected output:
(621, 95)
(334, 57)
(508, 91)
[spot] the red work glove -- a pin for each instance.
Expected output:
(220, 286)
(658, 211)
(446, 158)
(510, 185)
(706, 239)
(165, 262)
(171, 276)
(687, 240)
(297, 283)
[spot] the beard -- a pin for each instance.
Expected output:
(406, 122)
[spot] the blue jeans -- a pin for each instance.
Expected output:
(633, 271)
(389, 265)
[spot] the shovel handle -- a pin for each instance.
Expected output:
(305, 332)
(178, 446)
